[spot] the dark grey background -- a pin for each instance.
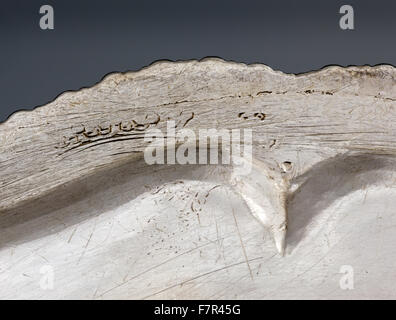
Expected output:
(93, 38)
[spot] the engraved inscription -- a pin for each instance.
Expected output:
(121, 129)
(257, 115)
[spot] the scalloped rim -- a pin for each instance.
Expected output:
(156, 63)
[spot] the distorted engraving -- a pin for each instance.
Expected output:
(256, 115)
(122, 130)
(86, 135)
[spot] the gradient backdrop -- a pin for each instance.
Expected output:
(93, 38)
